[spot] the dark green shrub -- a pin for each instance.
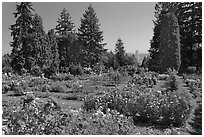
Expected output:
(36, 71)
(172, 80)
(169, 49)
(48, 72)
(58, 87)
(76, 69)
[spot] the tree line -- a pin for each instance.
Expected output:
(61, 46)
(188, 15)
(176, 41)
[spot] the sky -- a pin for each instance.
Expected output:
(130, 21)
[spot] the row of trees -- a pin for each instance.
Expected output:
(31, 46)
(189, 16)
(61, 46)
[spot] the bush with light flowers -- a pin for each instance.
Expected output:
(147, 106)
(34, 116)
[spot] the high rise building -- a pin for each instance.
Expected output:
(137, 56)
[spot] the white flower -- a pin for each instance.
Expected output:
(121, 115)
(159, 92)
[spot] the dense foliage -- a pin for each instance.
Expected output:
(90, 38)
(170, 41)
(66, 39)
(21, 34)
(120, 53)
(189, 15)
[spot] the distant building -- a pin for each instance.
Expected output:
(137, 56)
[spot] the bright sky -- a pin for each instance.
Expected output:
(130, 21)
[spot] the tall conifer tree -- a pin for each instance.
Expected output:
(90, 38)
(39, 41)
(54, 51)
(189, 16)
(21, 31)
(120, 52)
(66, 38)
(169, 50)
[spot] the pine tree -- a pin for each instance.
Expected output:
(39, 41)
(110, 59)
(46, 54)
(130, 59)
(66, 38)
(120, 52)
(145, 62)
(20, 31)
(6, 63)
(90, 38)
(54, 51)
(169, 50)
(190, 21)
(161, 8)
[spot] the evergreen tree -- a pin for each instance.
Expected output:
(20, 31)
(90, 38)
(39, 41)
(54, 51)
(66, 38)
(6, 60)
(169, 50)
(110, 59)
(120, 52)
(46, 54)
(130, 60)
(6, 63)
(190, 22)
(161, 8)
(145, 62)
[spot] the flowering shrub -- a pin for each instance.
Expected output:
(98, 123)
(157, 107)
(145, 79)
(34, 117)
(172, 80)
(108, 79)
(36, 71)
(194, 82)
(62, 77)
(37, 82)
